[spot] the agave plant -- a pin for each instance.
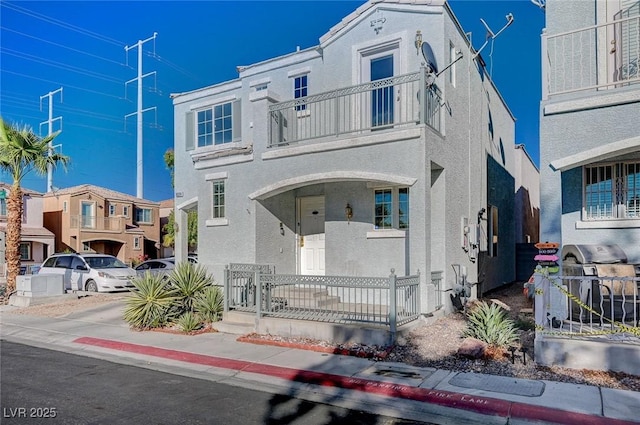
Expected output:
(149, 306)
(489, 323)
(189, 322)
(209, 304)
(188, 280)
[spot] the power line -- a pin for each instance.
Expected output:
(62, 46)
(60, 65)
(61, 23)
(57, 83)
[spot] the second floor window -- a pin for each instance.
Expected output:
(300, 91)
(3, 207)
(219, 124)
(112, 210)
(143, 215)
(125, 210)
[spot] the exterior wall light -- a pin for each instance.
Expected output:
(348, 212)
(418, 41)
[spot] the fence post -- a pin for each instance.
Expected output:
(418, 305)
(258, 292)
(392, 305)
(227, 287)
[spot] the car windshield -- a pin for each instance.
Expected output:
(105, 263)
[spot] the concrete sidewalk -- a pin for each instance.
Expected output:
(392, 389)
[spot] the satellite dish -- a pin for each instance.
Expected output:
(429, 57)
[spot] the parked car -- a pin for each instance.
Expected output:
(159, 266)
(90, 272)
(192, 258)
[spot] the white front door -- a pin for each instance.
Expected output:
(311, 235)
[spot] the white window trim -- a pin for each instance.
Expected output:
(64, 206)
(125, 210)
(213, 222)
(218, 221)
(394, 232)
(150, 216)
(299, 72)
(115, 210)
(217, 176)
(136, 243)
(210, 104)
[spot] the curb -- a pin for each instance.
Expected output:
(479, 404)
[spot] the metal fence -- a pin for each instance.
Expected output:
(387, 301)
(377, 105)
(595, 57)
(593, 307)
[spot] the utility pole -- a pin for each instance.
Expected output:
(50, 132)
(139, 110)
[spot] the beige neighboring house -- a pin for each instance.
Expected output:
(87, 219)
(166, 207)
(37, 243)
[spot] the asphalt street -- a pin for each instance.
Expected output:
(40, 386)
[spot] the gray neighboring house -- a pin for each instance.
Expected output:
(590, 124)
(350, 159)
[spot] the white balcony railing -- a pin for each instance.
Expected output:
(598, 57)
(377, 105)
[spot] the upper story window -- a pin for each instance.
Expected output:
(143, 215)
(125, 210)
(3, 207)
(218, 124)
(64, 206)
(612, 191)
(112, 210)
(493, 231)
(300, 85)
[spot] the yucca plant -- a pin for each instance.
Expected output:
(189, 322)
(188, 280)
(209, 304)
(149, 306)
(489, 323)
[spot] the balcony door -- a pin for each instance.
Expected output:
(624, 47)
(378, 67)
(88, 216)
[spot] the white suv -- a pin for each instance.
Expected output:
(90, 272)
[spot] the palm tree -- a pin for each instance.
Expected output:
(21, 151)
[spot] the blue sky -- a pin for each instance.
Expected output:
(80, 46)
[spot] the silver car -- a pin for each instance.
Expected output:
(160, 266)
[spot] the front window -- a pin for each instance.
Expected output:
(25, 251)
(143, 215)
(612, 191)
(300, 91)
(216, 124)
(218, 199)
(391, 208)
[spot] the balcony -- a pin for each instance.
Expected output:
(596, 58)
(357, 110)
(101, 224)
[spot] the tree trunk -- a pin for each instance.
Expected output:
(14, 231)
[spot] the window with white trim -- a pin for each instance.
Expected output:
(218, 124)
(64, 206)
(612, 191)
(112, 210)
(125, 210)
(218, 201)
(3, 207)
(136, 242)
(391, 209)
(25, 251)
(143, 215)
(300, 86)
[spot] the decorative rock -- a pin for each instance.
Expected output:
(472, 348)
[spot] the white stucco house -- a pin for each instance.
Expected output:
(386, 146)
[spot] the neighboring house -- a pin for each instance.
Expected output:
(590, 183)
(166, 208)
(349, 158)
(36, 243)
(89, 218)
(527, 213)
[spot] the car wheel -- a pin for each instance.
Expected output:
(91, 286)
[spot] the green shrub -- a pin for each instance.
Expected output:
(149, 306)
(188, 280)
(209, 304)
(189, 322)
(489, 323)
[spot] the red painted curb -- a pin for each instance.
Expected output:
(482, 405)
